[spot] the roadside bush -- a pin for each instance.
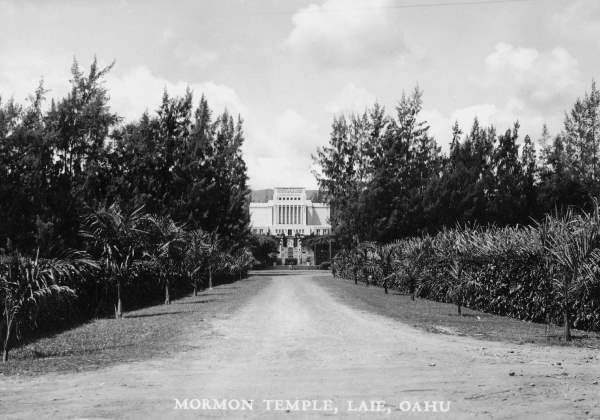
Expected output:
(519, 272)
(133, 260)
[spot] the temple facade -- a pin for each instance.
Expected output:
(290, 216)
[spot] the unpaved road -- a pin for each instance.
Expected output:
(295, 341)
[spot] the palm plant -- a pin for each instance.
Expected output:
(543, 231)
(195, 256)
(215, 256)
(166, 251)
(411, 260)
(366, 253)
(456, 248)
(573, 244)
(356, 258)
(241, 261)
(387, 255)
(27, 284)
(117, 239)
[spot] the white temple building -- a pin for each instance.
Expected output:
(290, 213)
(290, 216)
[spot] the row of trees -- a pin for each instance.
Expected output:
(129, 251)
(545, 273)
(158, 203)
(387, 178)
(60, 161)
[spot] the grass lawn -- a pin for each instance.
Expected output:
(149, 332)
(442, 318)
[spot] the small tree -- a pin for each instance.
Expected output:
(27, 284)
(455, 247)
(411, 260)
(263, 247)
(367, 258)
(574, 246)
(116, 239)
(166, 250)
(241, 261)
(195, 258)
(213, 255)
(387, 254)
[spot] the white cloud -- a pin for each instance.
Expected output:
(194, 56)
(138, 89)
(485, 113)
(540, 78)
(501, 117)
(346, 33)
(131, 92)
(351, 98)
(269, 172)
(22, 70)
(199, 58)
(278, 150)
(185, 51)
(440, 126)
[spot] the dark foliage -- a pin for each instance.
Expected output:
(75, 176)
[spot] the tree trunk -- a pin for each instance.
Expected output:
(566, 317)
(167, 296)
(6, 342)
(459, 307)
(567, 331)
(209, 278)
(195, 288)
(119, 307)
(385, 288)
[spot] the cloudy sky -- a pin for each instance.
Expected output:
(289, 66)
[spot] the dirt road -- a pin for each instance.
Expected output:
(295, 342)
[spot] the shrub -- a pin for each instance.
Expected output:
(512, 271)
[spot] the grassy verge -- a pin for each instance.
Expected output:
(442, 317)
(150, 332)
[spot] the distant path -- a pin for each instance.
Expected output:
(295, 341)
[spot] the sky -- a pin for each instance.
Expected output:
(288, 67)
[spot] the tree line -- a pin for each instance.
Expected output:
(494, 224)
(97, 213)
(387, 178)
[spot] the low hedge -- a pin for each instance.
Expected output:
(517, 284)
